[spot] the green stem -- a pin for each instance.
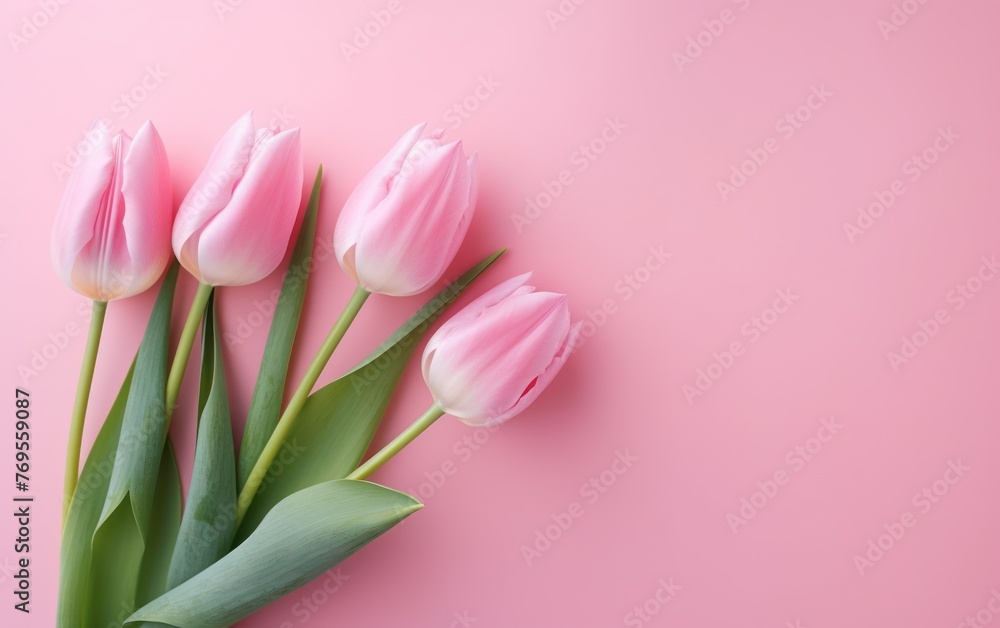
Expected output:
(183, 353)
(372, 464)
(298, 400)
(80, 404)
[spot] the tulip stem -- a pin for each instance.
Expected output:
(372, 464)
(80, 404)
(298, 400)
(183, 353)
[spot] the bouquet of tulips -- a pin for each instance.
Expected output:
(291, 500)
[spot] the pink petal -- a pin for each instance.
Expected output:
(103, 268)
(81, 203)
(148, 200)
(420, 151)
(543, 380)
(213, 189)
(246, 242)
(474, 187)
(406, 243)
(481, 370)
(463, 226)
(372, 189)
(471, 312)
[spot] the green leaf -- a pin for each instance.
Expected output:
(124, 526)
(84, 513)
(77, 555)
(265, 405)
(305, 535)
(338, 421)
(166, 521)
(210, 517)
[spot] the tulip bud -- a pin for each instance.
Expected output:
(111, 235)
(234, 225)
(403, 224)
(492, 359)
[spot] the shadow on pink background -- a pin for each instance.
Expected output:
(789, 416)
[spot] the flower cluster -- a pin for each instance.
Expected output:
(115, 235)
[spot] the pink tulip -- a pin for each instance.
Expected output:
(402, 226)
(492, 359)
(235, 223)
(111, 236)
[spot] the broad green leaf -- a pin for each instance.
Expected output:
(76, 558)
(165, 523)
(209, 521)
(305, 535)
(124, 524)
(265, 405)
(339, 420)
(84, 512)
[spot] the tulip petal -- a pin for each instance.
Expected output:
(372, 189)
(103, 268)
(463, 226)
(147, 194)
(543, 380)
(246, 242)
(473, 163)
(420, 151)
(213, 189)
(406, 240)
(261, 138)
(480, 371)
(81, 203)
(471, 312)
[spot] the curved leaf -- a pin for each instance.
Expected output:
(143, 427)
(305, 535)
(84, 512)
(123, 529)
(339, 420)
(78, 565)
(207, 528)
(265, 405)
(165, 522)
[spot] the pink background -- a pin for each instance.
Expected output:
(669, 517)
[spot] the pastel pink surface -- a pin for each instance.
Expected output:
(527, 97)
